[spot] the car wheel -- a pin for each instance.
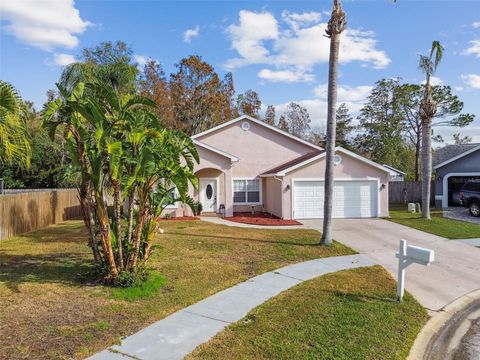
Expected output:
(475, 209)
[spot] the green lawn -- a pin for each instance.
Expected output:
(438, 225)
(347, 315)
(51, 308)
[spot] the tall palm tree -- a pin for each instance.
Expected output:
(14, 144)
(428, 109)
(335, 26)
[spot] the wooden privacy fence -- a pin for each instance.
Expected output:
(400, 192)
(21, 212)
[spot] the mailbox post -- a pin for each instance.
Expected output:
(410, 255)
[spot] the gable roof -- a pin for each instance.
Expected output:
(393, 170)
(450, 153)
(293, 162)
(258, 122)
(303, 160)
(215, 150)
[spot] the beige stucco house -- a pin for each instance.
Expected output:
(246, 163)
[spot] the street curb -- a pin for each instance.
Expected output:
(435, 324)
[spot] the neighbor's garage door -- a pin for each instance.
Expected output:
(351, 199)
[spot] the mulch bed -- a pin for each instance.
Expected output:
(181, 218)
(260, 218)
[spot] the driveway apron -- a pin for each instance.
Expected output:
(455, 272)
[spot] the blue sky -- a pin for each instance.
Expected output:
(273, 47)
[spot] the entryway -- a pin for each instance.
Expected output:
(208, 194)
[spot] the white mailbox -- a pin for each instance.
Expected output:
(410, 255)
(420, 255)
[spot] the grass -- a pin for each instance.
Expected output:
(347, 315)
(150, 287)
(51, 309)
(438, 225)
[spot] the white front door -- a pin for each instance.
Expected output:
(208, 194)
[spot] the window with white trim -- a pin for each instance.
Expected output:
(246, 191)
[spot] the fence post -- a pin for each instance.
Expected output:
(1, 187)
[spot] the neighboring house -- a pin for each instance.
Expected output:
(394, 174)
(454, 165)
(246, 164)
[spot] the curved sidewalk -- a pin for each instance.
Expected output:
(180, 333)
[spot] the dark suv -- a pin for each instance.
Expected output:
(470, 197)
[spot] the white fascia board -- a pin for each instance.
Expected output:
(259, 122)
(337, 149)
(457, 157)
(215, 150)
(361, 158)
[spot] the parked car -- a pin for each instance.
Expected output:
(470, 197)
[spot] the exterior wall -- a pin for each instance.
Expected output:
(350, 168)
(469, 164)
(273, 196)
(259, 149)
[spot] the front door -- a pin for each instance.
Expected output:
(208, 194)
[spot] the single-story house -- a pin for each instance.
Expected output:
(454, 165)
(246, 164)
(395, 174)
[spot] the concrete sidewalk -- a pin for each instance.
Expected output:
(180, 333)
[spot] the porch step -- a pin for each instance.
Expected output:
(210, 214)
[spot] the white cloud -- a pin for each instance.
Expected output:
(300, 44)
(355, 96)
(249, 35)
(190, 34)
(309, 47)
(286, 76)
(434, 81)
(474, 48)
(141, 60)
(459, 88)
(296, 20)
(45, 24)
(472, 80)
(63, 59)
(476, 24)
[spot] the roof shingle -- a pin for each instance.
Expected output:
(450, 151)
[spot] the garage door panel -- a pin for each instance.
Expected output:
(350, 199)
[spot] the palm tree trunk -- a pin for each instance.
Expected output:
(426, 167)
(105, 236)
(334, 29)
(118, 219)
(131, 207)
(141, 216)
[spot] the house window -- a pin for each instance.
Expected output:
(246, 191)
(171, 196)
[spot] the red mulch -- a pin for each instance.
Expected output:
(260, 218)
(182, 218)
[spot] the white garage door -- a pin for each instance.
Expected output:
(351, 199)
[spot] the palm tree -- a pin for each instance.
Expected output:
(14, 144)
(335, 26)
(428, 109)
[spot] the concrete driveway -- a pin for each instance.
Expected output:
(455, 272)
